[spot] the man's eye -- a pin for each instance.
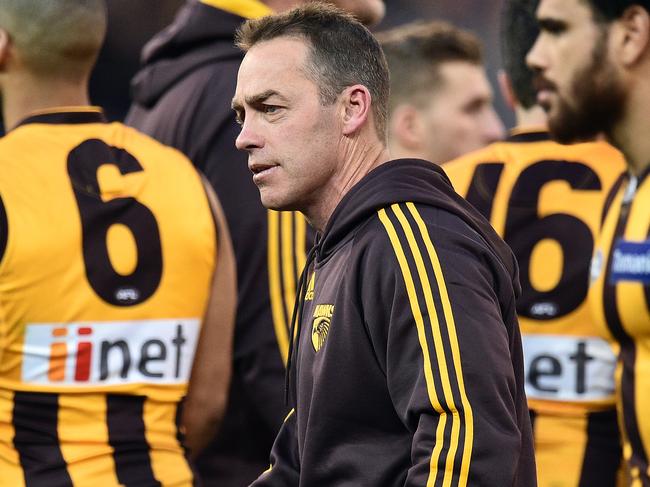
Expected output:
(270, 109)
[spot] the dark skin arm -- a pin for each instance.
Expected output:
(208, 388)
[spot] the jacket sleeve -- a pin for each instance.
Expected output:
(284, 470)
(446, 347)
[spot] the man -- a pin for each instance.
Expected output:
(592, 60)
(546, 200)
(182, 97)
(105, 281)
(406, 367)
(441, 101)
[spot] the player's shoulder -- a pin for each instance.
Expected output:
(146, 147)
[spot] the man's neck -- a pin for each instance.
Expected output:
(530, 118)
(630, 135)
(358, 160)
(24, 96)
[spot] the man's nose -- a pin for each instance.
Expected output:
(535, 57)
(248, 138)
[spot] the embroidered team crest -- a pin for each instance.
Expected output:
(321, 325)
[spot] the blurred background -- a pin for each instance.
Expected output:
(133, 22)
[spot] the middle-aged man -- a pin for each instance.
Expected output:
(592, 59)
(440, 98)
(406, 367)
(182, 98)
(110, 273)
(546, 200)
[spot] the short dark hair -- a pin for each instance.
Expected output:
(608, 10)
(342, 52)
(416, 51)
(519, 30)
(56, 37)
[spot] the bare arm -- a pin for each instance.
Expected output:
(208, 388)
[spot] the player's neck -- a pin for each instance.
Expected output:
(533, 117)
(630, 135)
(27, 95)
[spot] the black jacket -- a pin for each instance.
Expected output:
(182, 97)
(408, 361)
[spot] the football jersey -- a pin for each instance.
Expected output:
(546, 200)
(104, 281)
(620, 299)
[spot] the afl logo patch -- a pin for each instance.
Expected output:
(321, 325)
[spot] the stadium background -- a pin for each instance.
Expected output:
(133, 22)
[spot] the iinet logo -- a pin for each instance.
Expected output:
(110, 353)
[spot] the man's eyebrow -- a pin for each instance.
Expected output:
(257, 99)
(550, 24)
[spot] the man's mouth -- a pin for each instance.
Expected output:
(261, 170)
(545, 90)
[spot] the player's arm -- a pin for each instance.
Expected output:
(446, 349)
(284, 470)
(209, 383)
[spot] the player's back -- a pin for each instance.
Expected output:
(546, 201)
(104, 280)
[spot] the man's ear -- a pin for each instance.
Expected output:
(405, 127)
(357, 108)
(631, 35)
(5, 45)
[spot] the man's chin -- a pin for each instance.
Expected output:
(567, 130)
(273, 202)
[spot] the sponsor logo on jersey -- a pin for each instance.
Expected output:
(630, 262)
(321, 325)
(565, 368)
(109, 353)
(309, 295)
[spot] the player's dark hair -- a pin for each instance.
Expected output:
(342, 52)
(416, 51)
(519, 30)
(608, 10)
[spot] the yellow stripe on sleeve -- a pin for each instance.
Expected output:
(438, 342)
(453, 337)
(419, 322)
(275, 286)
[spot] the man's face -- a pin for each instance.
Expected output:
(370, 12)
(577, 83)
(460, 117)
(292, 140)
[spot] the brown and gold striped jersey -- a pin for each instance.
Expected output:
(620, 299)
(109, 251)
(546, 200)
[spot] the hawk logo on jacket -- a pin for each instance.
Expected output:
(321, 325)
